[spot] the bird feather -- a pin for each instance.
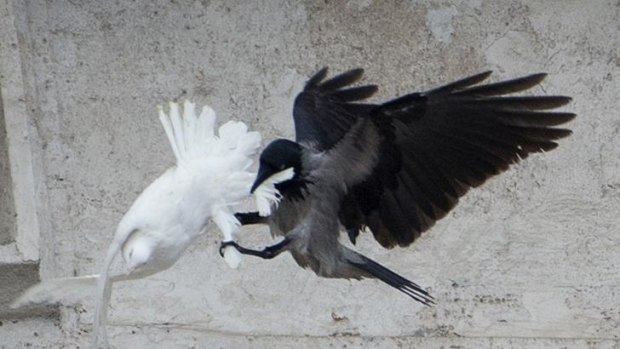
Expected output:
(267, 196)
(211, 175)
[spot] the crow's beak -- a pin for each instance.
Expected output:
(261, 176)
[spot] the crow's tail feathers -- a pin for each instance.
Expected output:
(382, 273)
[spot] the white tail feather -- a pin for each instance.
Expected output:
(267, 196)
(177, 127)
(189, 124)
(69, 290)
(234, 145)
(192, 135)
(206, 123)
(104, 292)
(232, 132)
(228, 157)
(167, 124)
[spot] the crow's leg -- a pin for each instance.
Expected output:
(266, 253)
(247, 218)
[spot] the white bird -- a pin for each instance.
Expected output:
(211, 175)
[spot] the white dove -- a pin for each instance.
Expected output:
(211, 175)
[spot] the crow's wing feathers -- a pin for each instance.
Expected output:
(324, 112)
(448, 140)
(435, 146)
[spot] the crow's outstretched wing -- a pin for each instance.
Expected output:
(437, 144)
(325, 110)
(446, 141)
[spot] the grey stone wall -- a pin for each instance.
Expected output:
(530, 260)
(7, 210)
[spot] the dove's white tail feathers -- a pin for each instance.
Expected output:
(226, 156)
(190, 132)
(62, 290)
(104, 292)
(193, 135)
(235, 135)
(68, 290)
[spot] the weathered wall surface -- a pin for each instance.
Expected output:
(530, 260)
(7, 211)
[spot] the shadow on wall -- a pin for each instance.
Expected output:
(14, 277)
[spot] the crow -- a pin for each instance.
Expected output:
(395, 168)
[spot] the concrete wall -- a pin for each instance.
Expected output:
(529, 260)
(7, 209)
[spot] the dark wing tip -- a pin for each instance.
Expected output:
(504, 87)
(461, 84)
(563, 132)
(335, 83)
(558, 101)
(356, 93)
(341, 80)
(522, 83)
(317, 78)
(477, 78)
(538, 76)
(531, 103)
(568, 116)
(535, 78)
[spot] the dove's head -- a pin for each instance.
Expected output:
(137, 250)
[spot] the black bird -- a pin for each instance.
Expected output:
(395, 167)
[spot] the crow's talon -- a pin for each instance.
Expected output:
(225, 244)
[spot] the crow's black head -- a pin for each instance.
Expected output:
(278, 156)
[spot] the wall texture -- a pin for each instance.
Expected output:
(7, 211)
(530, 260)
